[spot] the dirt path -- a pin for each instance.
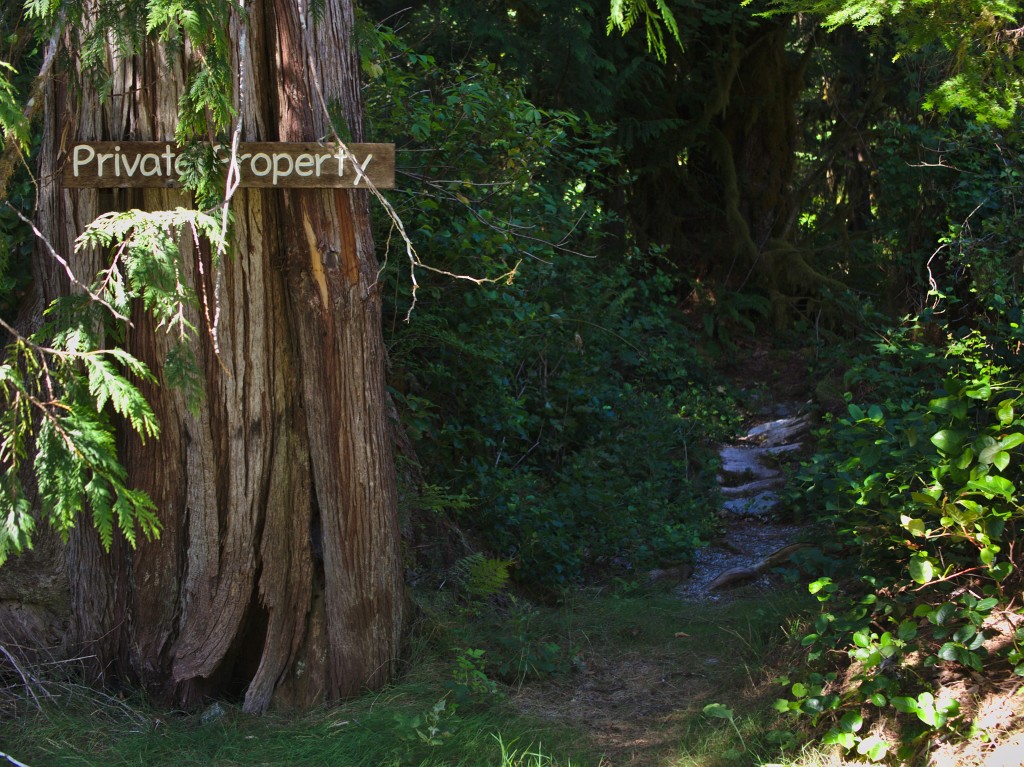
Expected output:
(642, 705)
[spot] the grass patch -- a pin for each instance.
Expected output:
(382, 729)
(639, 668)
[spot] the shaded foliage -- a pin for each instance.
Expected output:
(566, 398)
(706, 139)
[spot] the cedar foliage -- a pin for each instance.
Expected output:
(58, 380)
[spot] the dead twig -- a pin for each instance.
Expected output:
(28, 680)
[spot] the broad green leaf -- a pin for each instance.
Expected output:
(927, 711)
(852, 721)
(1010, 441)
(813, 705)
(1000, 570)
(972, 510)
(981, 391)
(1001, 460)
(907, 630)
(942, 615)
(873, 747)
(921, 569)
(903, 704)
(914, 526)
(839, 738)
(1005, 412)
(925, 500)
(718, 710)
(949, 441)
(815, 586)
(991, 485)
(943, 404)
(988, 455)
(911, 435)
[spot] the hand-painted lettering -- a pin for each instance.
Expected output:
(154, 165)
(304, 165)
(260, 164)
(130, 167)
(100, 159)
(262, 157)
(278, 173)
(80, 159)
(361, 169)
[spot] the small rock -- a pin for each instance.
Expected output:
(734, 576)
(215, 711)
(781, 431)
(745, 462)
(752, 488)
(780, 449)
(759, 505)
(678, 574)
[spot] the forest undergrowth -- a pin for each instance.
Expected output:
(621, 670)
(618, 676)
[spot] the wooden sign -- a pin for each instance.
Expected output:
(108, 164)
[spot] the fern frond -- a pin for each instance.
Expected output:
(624, 14)
(482, 576)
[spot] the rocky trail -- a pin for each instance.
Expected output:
(755, 538)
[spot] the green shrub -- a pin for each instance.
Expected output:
(922, 487)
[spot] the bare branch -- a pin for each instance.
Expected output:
(67, 267)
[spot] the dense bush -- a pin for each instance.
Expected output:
(561, 391)
(918, 472)
(920, 481)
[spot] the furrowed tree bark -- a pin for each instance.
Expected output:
(335, 306)
(278, 572)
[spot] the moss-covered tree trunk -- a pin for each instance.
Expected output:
(278, 574)
(752, 142)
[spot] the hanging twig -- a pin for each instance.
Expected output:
(67, 267)
(396, 221)
(233, 181)
(932, 282)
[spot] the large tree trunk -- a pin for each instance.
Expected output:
(278, 571)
